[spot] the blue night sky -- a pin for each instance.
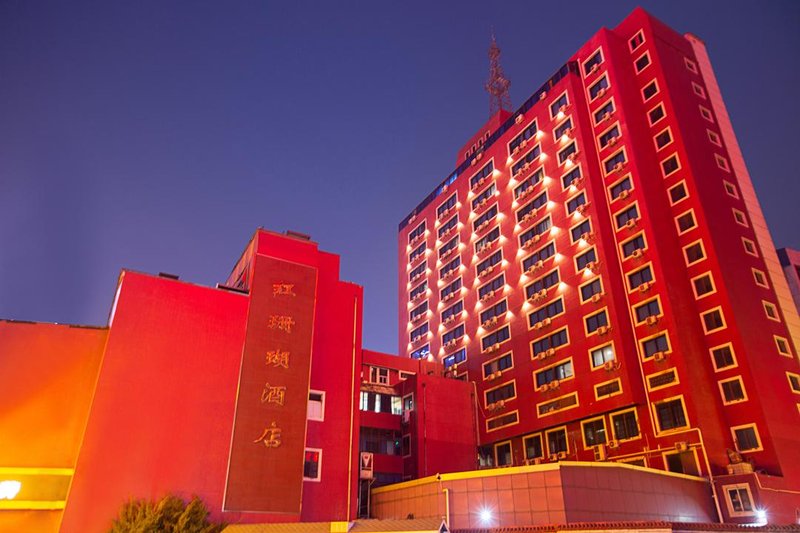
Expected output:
(157, 136)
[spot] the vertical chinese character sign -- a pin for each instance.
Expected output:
(265, 472)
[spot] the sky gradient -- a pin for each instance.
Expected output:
(156, 136)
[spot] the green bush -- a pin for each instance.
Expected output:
(170, 515)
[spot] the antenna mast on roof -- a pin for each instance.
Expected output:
(498, 84)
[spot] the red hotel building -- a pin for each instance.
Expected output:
(599, 266)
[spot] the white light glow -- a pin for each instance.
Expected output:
(485, 516)
(9, 489)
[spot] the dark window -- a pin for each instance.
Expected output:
(607, 389)
(418, 252)
(625, 426)
(703, 285)
(497, 365)
(733, 391)
(483, 197)
(578, 231)
(670, 415)
(662, 379)
(562, 128)
(617, 159)
(557, 441)
(618, 188)
(454, 334)
(554, 340)
(636, 41)
(585, 258)
(453, 310)
(417, 271)
(604, 112)
(571, 176)
(445, 228)
(526, 160)
(632, 213)
(485, 218)
(564, 154)
(655, 345)
(450, 267)
(695, 253)
(525, 135)
(311, 465)
(713, 320)
(501, 335)
(419, 231)
(535, 230)
(381, 441)
(642, 62)
(494, 285)
(504, 455)
(650, 90)
(648, 309)
(453, 288)
(575, 203)
(596, 88)
(451, 245)
(556, 106)
(739, 497)
(686, 222)
(417, 333)
(482, 175)
(445, 207)
(528, 183)
(500, 421)
(596, 59)
(596, 321)
(487, 240)
(677, 193)
(605, 138)
(419, 311)
(558, 372)
(670, 165)
(594, 432)
(545, 282)
(663, 139)
(656, 114)
(533, 447)
(501, 393)
(637, 243)
(418, 290)
(550, 310)
(454, 359)
(590, 289)
(532, 206)
(746, 439)
(494, 259)
(723, 357)
(546, 252)
(496, 310)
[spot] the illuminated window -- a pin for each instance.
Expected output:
(453, 359)
(316, 405)
(739, 500)
(421, 353)
(602, 355)
(312, 464)
(557, 372)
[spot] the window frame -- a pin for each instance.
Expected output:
(713, 290)
(586, 445)
(725, 401)
(319, 465)
(709, 312)
(760, 442)
(728, 345)
(636, 61)
(678, 429)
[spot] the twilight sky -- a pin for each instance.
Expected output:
(157, 136)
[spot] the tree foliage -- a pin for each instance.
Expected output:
(170, 515)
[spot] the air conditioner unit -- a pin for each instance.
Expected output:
(493, 347)
(498, 374)
(550, 352)
(527, 245)
(588, 237)
(582, 209)
(473, 162)
(600, 452)
(569, 131)
(652, 320)
(537, 326)
(637, 253)
(605, 116)
(659, 356)
(479, 156)
(525, 166)
(490, 407)
(681, 446)
(501, 404)
(624, 194)
(537, 460)
(524, 143)
(591, 265)
(602, 330)
(573, 156)
(601, 92)
(612, 444)
(449, 319)
(644, 287)
(562, 109)
(562, 455)
(597, 297)
(483, 272)
(553, 457)
(547, 321)
(492, 376)
(515, 151)
(543, 95)
(618, 167)
(519, 118)
(609, 365)
(538, 264)
(612, 141)
(542, 293)
(416, 339)
(539, 356)
(594, 68)
(555, 384)
(630, 224)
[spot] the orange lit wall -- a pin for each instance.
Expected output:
(47, 375)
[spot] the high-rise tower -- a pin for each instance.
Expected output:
(598, 264)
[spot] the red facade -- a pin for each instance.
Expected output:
(598, 265)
